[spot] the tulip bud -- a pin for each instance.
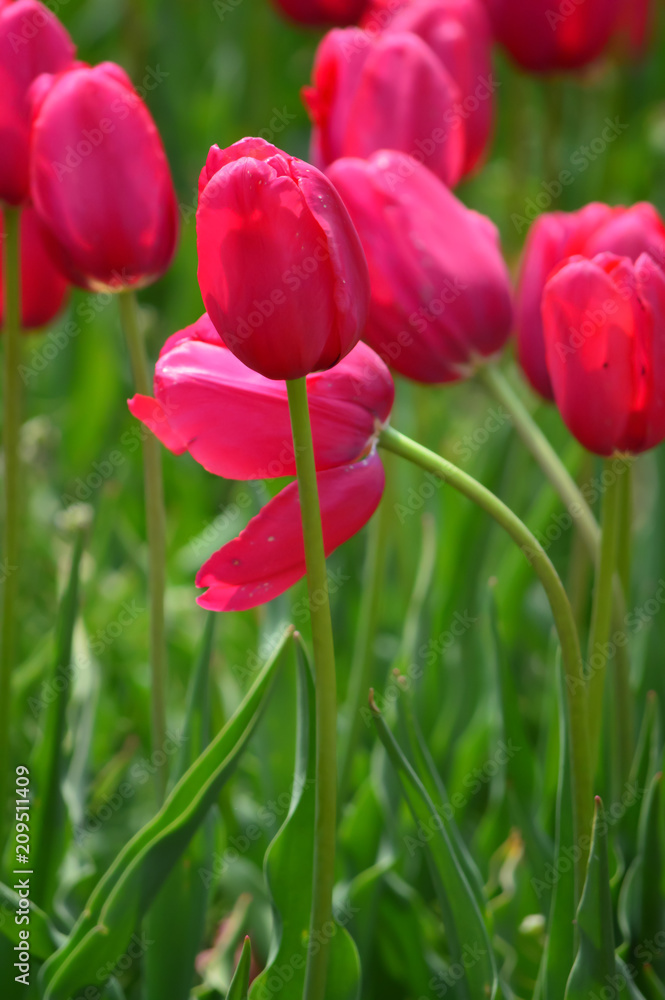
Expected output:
(543, 37)
(322, 12)
(385, 92)
(281, 269)
(32, 41)
(43, 286)
(440, 288)
(627, 232)
(100, 179)
(603, 321)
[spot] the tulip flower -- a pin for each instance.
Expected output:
(44, 287)
(603, 321)
(389, 91)
(322, 12)
(543, 37)
(459, 33)
(281, 269)
(32, 41)
(440, 288)
(100, 179)
(236, 424)
(627, 232)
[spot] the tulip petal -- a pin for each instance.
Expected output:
(268, 556)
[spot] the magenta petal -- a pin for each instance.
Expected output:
(268, 556)
(153, 415)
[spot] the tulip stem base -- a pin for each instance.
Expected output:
(156, 532)
(326, 692)
(11, 430)
(562, 612)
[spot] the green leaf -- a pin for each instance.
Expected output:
(465, 929)
(44, 938)
(176, 920)
(240, 983)
(126, 891)
(288, 869)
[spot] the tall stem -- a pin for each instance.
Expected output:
(326, 693)
(11, 430)
(623, 720)
(601, 620)
(561, 610)
(156, 531)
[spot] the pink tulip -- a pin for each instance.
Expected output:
(385, 92)
(100, 179)
(627, 232)
(441, 293)
(32, 41)
(43, 286)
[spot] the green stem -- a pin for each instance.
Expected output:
(624, 721)
(11, 431)
(360, 680)
(156, 532)
(601, 619)
(561, 610)
(556, 472)
(326, 693)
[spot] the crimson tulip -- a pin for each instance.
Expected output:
(32, 41)
(43, 286)
(281, 269)
(380, 13)
(627, 232)
(322, 12)
(100, 179)
(441, 292)
(236, 424)
(543, 37)
(604, 321)
(389, 91)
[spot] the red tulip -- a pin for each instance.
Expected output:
(604, 320)
(100, 179)
(555, 236)
(389, 91)
(236, 424)
(379, 14)
(323, 12)
(32, 41)
(440, 288)
(635, 21)
(459, 32)
(43, 286)
(543, 36)
(282, 273)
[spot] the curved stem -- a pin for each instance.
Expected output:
(561, 610)
(326, 694)
(11, 431)
(156, 532)
(601, 620)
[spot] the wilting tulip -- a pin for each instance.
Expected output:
(543, 37)
(604, 321)
(322, 12)
(32, 41)
(440, 288)
(281, 269)
(236, 424)
(389, 91)
(627, 232)
(459, 32)
(43, 286)
(100, 179)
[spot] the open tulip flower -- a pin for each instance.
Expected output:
(322, 12)
(441, 293)
(32, 41)
(43, 286)
(236, 424)
(555, 236)
(281, 269)
(100, 179)
(385, 91)
(604, 321)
